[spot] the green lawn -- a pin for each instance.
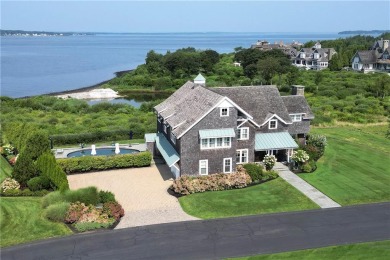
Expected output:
(370, 250)
(5, 169)
(21, 221)
(273, 196)
(356, 165)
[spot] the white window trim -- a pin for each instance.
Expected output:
(293, 117)
(173, 138)
(207, 167)
(276, 124)
(165, 128)
(224, 164)
(240, 129)
(207, 147)
(221, 109)
(247, 155)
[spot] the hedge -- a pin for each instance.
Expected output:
(99, 163)
(91, 137)
(49, 168)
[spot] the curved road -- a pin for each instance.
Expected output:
(220, 238)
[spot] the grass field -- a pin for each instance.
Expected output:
(21, 221)
(371, 250)
(356, 167)
(5, 169)
(273, 196)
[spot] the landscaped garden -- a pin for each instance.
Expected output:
(355, 168)
(371, 250)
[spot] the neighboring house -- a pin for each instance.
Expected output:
(210, 130)
(289, 50)
(315, 58)
(377, 58)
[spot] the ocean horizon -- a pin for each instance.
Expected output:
(40, 65)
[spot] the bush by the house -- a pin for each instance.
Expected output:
(24, 169)
(270, 175)
(106, 196)
(57, 212)
(99, 163)
(113, 210)
(49, 168)
(88, 195)
(24, 193)
(81, 227)
(9, 184)
(300, 156)
(255, 171)
(187, 185)
(269, 161)
(315, 146)
(75, 211)
(52, 198)
(39, 183)
(37, 143)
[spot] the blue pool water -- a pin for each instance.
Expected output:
(100, 151)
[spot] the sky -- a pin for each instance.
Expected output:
(195, 16)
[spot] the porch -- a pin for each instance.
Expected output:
(279, 144)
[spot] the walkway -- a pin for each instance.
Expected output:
(220, 238)
(312, 193)
(142, 192)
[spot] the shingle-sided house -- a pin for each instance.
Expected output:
(204, 130)
(315, 58)
(377, 58)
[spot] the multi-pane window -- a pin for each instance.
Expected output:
(273, 124)
(224, 111)
(243, 133)
(242, 156)
(296, 117)
(227, 165)
(220, 142)
(203, 167)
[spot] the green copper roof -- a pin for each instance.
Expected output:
(199, 77)
(166, 149)
(213, 133)
(150, 138)
(274, 141)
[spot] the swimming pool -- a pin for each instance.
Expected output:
(100, 151)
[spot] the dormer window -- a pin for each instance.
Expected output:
(224, 111)
(273, 124)
(296, 117)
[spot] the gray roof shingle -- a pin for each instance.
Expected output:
(367, 56)
(297, 104)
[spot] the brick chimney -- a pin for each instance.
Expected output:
(298, 90)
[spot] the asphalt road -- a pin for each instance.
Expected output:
(215, 239)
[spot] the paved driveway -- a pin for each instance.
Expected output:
(142, 192)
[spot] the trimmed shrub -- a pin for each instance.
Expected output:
(255, 171)
(306, 167)
(113, 210)
(49, 168)
(187, 185)
(87, 195)
(315, 146)
(56, 212)
(269, 161)
(81, 227)
(52, 198)
(24, 193)
(300, 156)
(9, 184)
(37, 143)
(39, 183)
(270, 175)
(100, 163)
(106, 196)
(24, 169)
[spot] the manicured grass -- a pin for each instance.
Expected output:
(21, 221)
(273, 196)
(370, 250)
(5, 169)
(355, 168)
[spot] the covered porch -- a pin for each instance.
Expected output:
(280, 144)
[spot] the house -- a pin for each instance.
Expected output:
(263, 45)
(377, 58)
(315, 58)
(204, 130)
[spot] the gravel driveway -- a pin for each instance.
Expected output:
(142, 192)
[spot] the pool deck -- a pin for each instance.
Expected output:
(63, 152)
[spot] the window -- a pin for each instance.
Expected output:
(203, 167)
(296, 117)
(273, 124)
(224, 111)
(165, 128)
(210, 143)
(173, 138)
(227, 165)
(243, 133)
(242, 156)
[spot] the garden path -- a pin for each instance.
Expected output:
(142, 192)
(312, 193)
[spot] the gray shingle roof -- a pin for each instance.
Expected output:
(259, 101)
(298, 104)
(367, 56)
(187, 105)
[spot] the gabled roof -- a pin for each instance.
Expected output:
(297, 104)
(367, 56)
(259, 101)
(199, 78)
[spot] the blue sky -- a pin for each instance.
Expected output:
(195, 16)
